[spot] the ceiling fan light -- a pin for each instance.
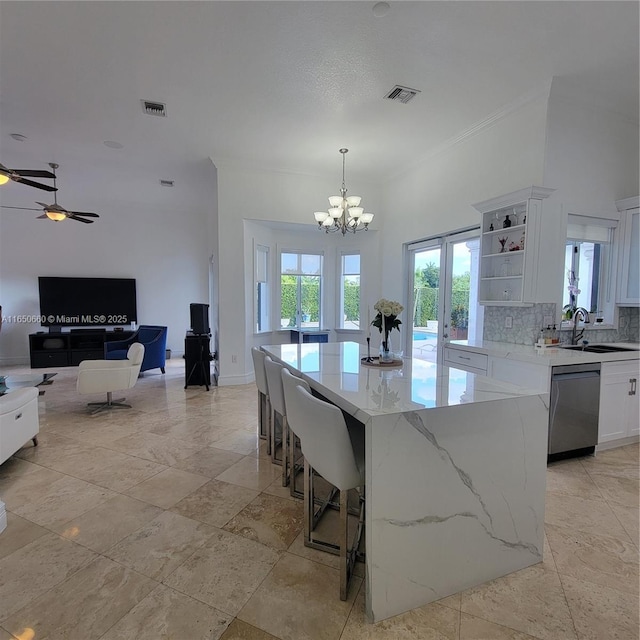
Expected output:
(56, 216)
(320, 216)
(335, 201)
(356, 212)
(3, 178)
(366, 218)
(354, 201)
(335, 212)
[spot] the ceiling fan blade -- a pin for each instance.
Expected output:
(72, 217)
(84, 213)
(44, 215)
(6, 206)
(37, 185)
(32, 173)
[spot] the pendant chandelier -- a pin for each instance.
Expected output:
(345, 213)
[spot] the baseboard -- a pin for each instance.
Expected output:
(614, 444)
(3, 517)
(230, 381)
(15, 361)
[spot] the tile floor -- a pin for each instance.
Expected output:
(167, 521)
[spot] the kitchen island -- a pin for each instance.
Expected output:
(455, 471)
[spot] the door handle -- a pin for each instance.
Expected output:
(633, 382)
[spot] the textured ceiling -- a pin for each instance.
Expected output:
(284, 84)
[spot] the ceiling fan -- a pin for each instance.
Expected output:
(21, 175)
(56, 212)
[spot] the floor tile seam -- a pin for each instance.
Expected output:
(193, 597)
(597, 584)
(83, 565)
(498, 624)
(573, 530)
(566, 601)
(595, 472)
(9, 634)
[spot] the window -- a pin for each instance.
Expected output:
(262, 289)
(349, 308)
(300, 290)
(588, 266)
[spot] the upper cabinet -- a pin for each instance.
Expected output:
(512, 241)
(628, 293)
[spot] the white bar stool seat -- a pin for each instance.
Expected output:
(327, 449)
(264, 407)
(295, 462)
(278, 416)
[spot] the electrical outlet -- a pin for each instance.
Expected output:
(508, 322)
(547, 320)
(234, 359)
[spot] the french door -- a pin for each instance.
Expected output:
(443, 293)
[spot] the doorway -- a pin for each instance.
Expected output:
(443, 286)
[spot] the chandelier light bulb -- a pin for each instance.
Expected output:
(353, 201)
(366, 218)
(328, 222)
(335, 201)
(320, 216)
(356, 212)
(335, 212)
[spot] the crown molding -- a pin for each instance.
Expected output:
(628, 203)
(509, 199)
(537, 94)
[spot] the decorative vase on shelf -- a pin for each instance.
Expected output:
(507, 222)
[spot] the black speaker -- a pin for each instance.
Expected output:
(199, 318)
(197, 360)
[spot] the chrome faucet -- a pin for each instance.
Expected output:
(575, 336)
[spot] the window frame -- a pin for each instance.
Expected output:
(299, 275)
(340, 323)
(265, 312)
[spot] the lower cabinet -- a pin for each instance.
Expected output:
(619, 402)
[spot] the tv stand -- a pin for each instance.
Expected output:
(69, 349)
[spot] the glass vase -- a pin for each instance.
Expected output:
(386, 355)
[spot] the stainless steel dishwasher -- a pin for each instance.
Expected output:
(573, 414)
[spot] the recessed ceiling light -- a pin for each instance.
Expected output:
(380, 9)
(18, 136)
(112, 144)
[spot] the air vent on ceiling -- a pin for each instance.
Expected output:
(154, 108)
(402, 94)
(166, 183)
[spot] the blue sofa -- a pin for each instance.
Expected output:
(154, 339)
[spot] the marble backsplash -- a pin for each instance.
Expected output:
(527, 322)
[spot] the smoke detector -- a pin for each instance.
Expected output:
(154, 108)
(402, 94)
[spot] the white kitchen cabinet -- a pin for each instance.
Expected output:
(628, 291)
(619, 401)
(513, 267)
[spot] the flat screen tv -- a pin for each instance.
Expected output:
(87, 302)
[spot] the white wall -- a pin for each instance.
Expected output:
(436, 196)
(280, 197)
(591, 158)
(162, 247)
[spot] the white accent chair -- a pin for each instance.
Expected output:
(264, 408)
(328, 451)
(19, 421)
(107, 376)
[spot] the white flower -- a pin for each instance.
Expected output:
(388, 307)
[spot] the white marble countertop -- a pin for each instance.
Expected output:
(334, 370)
(547, 356)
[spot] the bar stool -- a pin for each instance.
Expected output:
(295, 463)
(327, 450)
(278, 416)
(264, 406)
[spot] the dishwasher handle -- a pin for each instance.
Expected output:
(575, 376)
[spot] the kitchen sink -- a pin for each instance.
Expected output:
(598, 348)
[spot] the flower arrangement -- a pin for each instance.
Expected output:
(387, 319)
